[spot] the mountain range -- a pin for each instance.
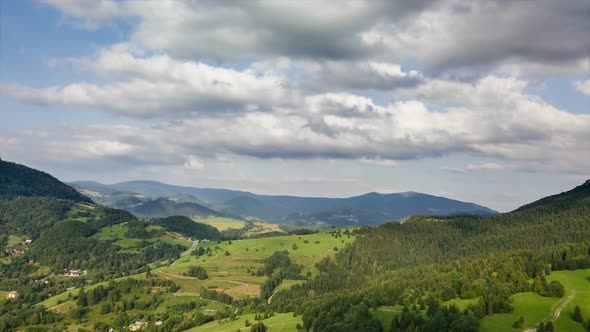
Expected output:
(156, 199)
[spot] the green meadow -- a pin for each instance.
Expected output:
(231, 266)
(573, 281)
(116, 233)
(222, 223)
(277, 323)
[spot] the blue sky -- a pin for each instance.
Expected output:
(327, 98)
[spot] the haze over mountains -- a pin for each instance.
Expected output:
(156, 199)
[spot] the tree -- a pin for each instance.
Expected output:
(82, 298)
(198, 272)
(577, 315)
(258, 327)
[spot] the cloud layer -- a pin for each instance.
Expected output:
(377, 82)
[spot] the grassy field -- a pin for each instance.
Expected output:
(573, 281)
(277, 323)
(222, 223)
(385, 315)
(531, 306)
(14, 240)
(534, 308)
(117, 233)
(233, 273)
(460, 303)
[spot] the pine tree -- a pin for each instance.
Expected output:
(577, 315)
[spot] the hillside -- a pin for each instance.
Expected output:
(580, 195)
(368, 209)
(166, 207)
(19, 180)
(428, 260)
(427, 273)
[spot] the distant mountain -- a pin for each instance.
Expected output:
(19, 180)
(156, 189)
(368, 209)
(578, 195)
(165, 207)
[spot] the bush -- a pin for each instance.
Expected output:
(258, 327)
(197, 272)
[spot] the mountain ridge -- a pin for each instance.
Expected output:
(369, 208)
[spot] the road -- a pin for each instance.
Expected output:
(557, 311)
(193, 247)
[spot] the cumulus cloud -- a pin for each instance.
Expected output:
(459, 34)
(497, 119)
(583, 87)
(159, 85)
(90, 13)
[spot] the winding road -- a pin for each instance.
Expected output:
(193, 247)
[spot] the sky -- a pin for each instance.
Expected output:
(485, 101)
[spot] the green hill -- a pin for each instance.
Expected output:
(19, 180)
(188, 227)
(580, 195)
(427, 260)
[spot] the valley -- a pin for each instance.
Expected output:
(224, 272)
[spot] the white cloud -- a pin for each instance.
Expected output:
(193, 162)
(583, 87)
(159, 85)
(496, 119)
(91, 13)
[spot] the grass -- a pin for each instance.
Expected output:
(222, 223)
(460, 303)
(116, 233)
(531, 306)
(233, 273)
(535, 308)
(385, 314)
(573, 280)
(277, 323)
(14, 240)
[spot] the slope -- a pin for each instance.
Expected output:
(19, 180)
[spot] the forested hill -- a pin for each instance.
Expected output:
(578, 196)
(19, 180)
(445, 258)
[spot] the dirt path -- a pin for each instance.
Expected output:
(557, 311)
(193, 247)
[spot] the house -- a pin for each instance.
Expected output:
(12, 295)
(159, 323)
(31, 261)
(28, 242)
(73, 273)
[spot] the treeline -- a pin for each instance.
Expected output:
(188, 227)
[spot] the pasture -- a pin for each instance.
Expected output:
(231, 266)
(277, 323)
